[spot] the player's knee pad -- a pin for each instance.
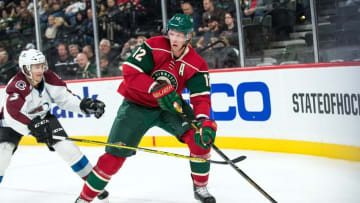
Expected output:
(6, 151)
(109, 164)
(74, 157)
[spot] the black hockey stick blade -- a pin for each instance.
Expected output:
(236, 160)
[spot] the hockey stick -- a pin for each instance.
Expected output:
(119, 145)
(227, 160)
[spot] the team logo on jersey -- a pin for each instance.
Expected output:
(40, 110)
(20, 85)
(166, 76)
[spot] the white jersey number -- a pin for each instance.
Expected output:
(139, 53)
(14, 96)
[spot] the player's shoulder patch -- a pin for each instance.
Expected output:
(53, 79)
(18, 84)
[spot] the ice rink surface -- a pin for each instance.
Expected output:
(36, 175)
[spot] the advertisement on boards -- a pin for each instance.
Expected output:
(307, 104)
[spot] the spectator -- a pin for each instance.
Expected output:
(188, 10)
(230, 26)
(230, 30)
(112, 55)
(89, 51)
(7, 68)
(44, 17)
(64, 66)
(115, 24)
(86, 30)
(105, 49)
(73, 9)
(86, 69)
(50, 31)
(6, 22)
(105, 66)
(140, 39)
(209, 11)
(128, 47)
(211, 35)
(256, 8)
(107, 69)
(62, 29)
(74, 50)
(25, 23)
(57, 11)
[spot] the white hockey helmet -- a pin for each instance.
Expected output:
(30, 57)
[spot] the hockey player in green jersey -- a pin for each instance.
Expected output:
(155, 75)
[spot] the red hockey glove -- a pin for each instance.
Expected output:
(206, 134)
(166, 96)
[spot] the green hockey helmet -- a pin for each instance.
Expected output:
(182, 23)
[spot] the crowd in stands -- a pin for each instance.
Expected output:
(67, 30)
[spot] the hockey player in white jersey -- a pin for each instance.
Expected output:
(26, 110)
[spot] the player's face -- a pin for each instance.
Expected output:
(37, 72)
(177, 40)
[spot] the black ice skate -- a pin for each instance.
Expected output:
(202, 194)
(103, 196)
(79, 200)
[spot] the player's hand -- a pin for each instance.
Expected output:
(166, 96)
(206, 134)
(92, 106)
(40, 129)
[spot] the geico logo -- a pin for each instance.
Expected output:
(43, 122)
(260, 98)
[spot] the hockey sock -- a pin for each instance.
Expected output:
(199, 170)
(99, 177)
(74, 157)
(6, 151)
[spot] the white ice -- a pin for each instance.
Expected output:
(36, 175)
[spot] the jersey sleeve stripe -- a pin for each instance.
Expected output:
(164, 50)
(202, 116)
(158, 49)
(199, 94)
(191, 66)
(133, 66)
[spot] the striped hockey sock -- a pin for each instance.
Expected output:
(101, 174)
(199, 170)
(82, 167)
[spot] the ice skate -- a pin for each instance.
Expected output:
(79, 200)
(202, 194)
(103, 196)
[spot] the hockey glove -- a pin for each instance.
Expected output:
(166, 96)
(206, 134)
(92, 106)
(40, 129)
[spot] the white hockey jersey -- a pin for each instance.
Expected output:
(23, 102)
